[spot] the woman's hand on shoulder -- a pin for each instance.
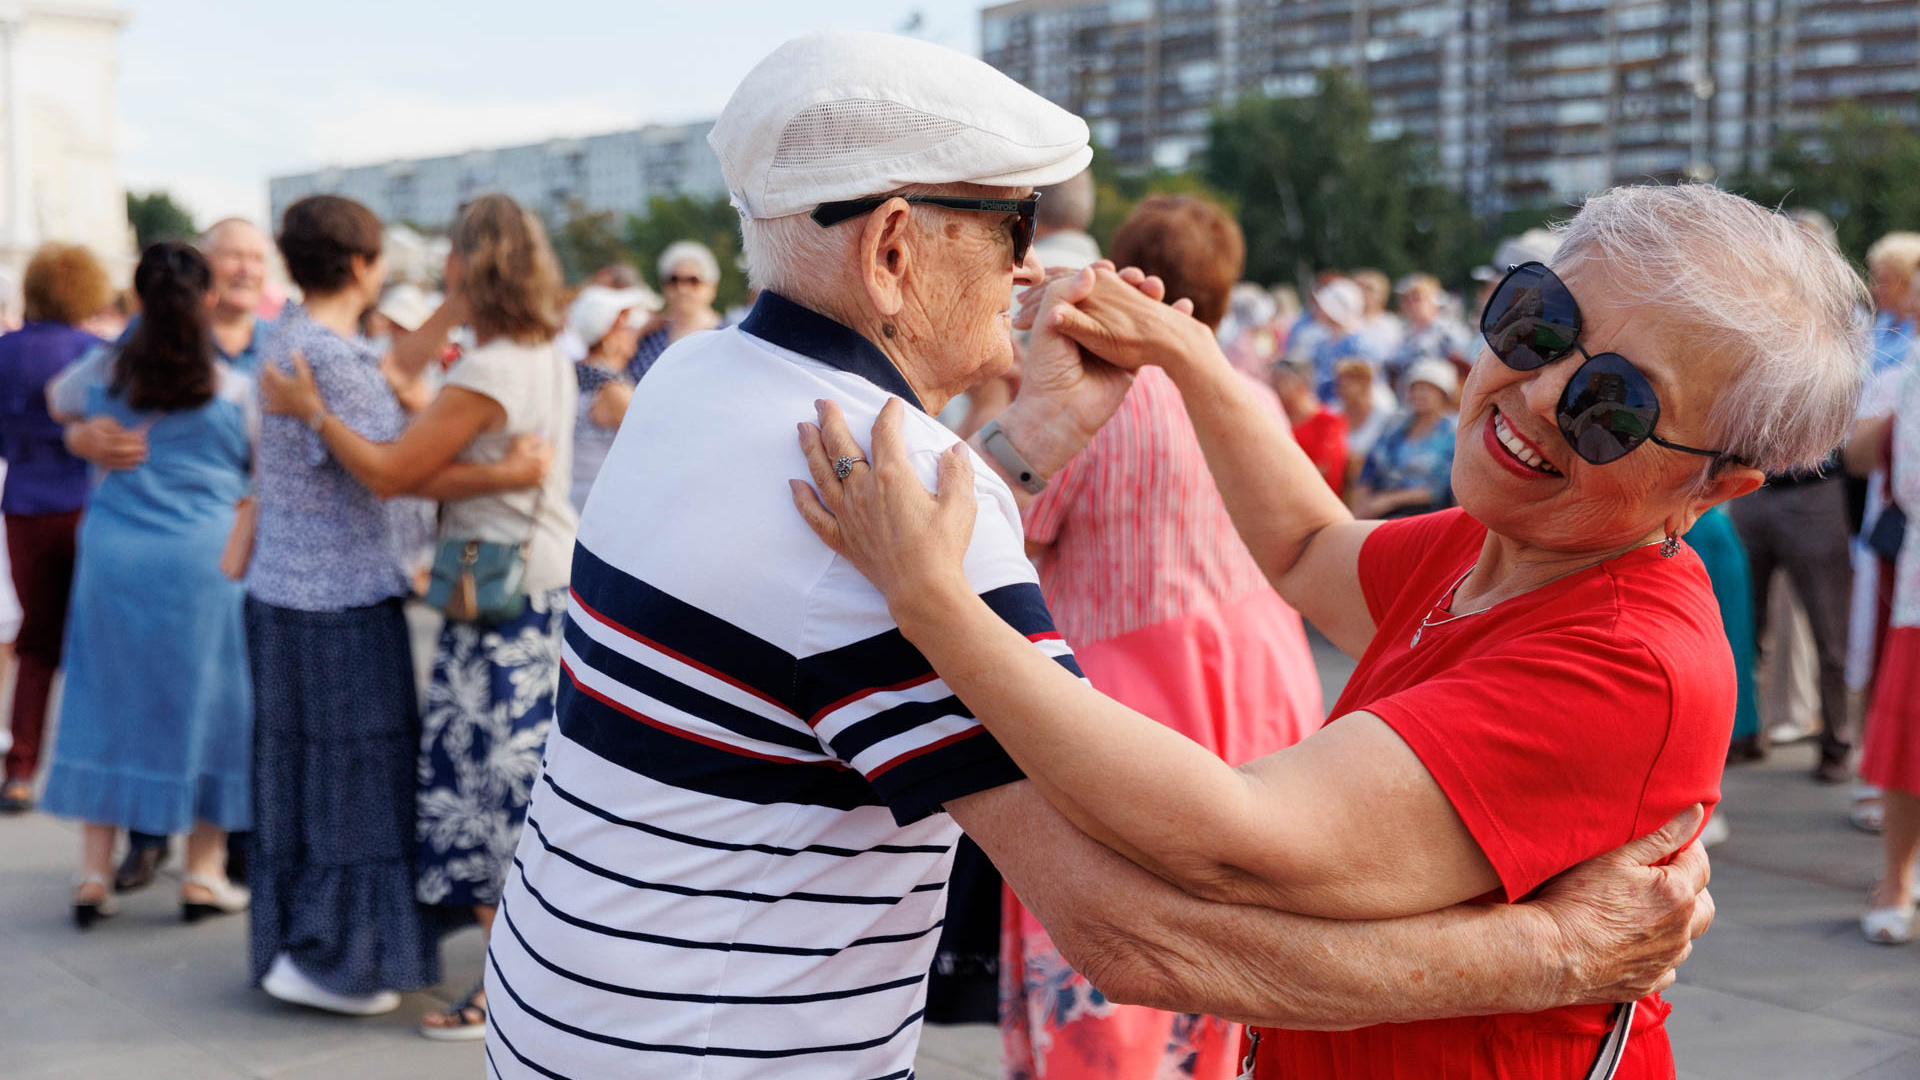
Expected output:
(295, 394)
(910, 543)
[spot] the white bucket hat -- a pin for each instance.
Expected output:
(843, 115)
(1438, 374)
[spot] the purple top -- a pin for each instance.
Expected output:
(42, 478)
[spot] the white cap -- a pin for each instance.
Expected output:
(406, 306)
(597, 308)
(844, 115)
(1342, 302)
(1438, 374)
(1534, 245)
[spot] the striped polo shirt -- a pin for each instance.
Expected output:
(735, 861)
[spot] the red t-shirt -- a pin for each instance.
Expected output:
(1561, 724)
(1324, 437)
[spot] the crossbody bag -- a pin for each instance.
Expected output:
(484, 580)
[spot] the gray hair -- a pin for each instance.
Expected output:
(211, 235)
(689, 251)
(1067, 204)
(787, 254)
(1747, 281)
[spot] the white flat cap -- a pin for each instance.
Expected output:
(843, 115)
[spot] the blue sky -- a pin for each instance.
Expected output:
(216, 96)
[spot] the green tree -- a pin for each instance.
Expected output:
(155, 216)
(1315, 191)
(1858, 166)
(585, 242)
(713, 222)
(1117, 193)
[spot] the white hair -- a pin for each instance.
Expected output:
(211, 236)
(1899, 250)
(787, 254)
(692, 251)
(1736, 278)
(790, 255)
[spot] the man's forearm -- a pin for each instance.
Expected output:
(1143, 941)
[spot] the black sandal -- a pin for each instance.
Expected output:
(16, 797)
(468, 1019)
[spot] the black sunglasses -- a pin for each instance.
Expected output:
(827, 215)
(678, 279)
(1609, 407)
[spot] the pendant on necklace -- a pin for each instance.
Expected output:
(1416, 637)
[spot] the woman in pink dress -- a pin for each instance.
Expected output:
(1168, 613)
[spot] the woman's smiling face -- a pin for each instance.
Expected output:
(1516, 472)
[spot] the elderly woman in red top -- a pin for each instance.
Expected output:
(1169, 615)
(1542, 672)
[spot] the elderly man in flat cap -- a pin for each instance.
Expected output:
(735, 860)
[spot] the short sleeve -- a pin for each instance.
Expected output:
(67, 393)
(1394, 551)
(1551, 749)
(499, 374)
(356, 394)
(877, 704)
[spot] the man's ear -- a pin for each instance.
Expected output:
(886, 257)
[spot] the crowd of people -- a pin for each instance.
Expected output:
(412, 612)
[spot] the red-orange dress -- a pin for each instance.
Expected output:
(1168, 614)
(1561, 724)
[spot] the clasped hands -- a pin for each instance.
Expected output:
(1091, 329)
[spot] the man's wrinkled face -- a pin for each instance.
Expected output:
(965, 290)
(238, 256)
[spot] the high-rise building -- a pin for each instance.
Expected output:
(620, 172)
(59, 174)
(1521, 101)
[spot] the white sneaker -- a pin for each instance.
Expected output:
(1782, 734)
(288, 983)
(1716, 831)
(1888, 926)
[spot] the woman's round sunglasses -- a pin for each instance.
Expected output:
(1609, 407)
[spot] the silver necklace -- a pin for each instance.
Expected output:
(1444, 601)
(1429, 621)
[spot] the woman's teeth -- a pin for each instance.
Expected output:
(1518, 448)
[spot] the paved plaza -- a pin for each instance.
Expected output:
(1782, 989)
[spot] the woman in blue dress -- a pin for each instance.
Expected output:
(1409, 471)
(156, 720)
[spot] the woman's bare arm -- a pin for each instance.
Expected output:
(403, 466)
(1302, 536)
(1609, 930)
(1312, 829)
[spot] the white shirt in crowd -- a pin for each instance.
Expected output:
(535, 385)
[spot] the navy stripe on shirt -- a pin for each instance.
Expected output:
(684, 762)
(709, 946)
(671, 691)
(721, 845)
